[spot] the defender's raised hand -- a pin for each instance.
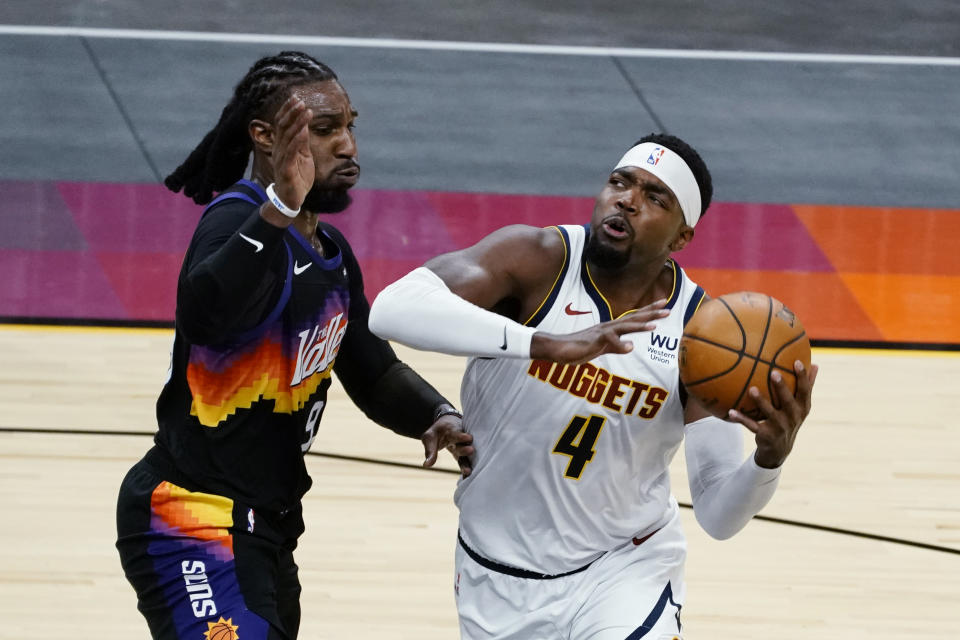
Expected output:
(293, 167)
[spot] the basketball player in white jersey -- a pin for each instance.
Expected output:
(568, 528)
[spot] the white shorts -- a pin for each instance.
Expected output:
(631, 592)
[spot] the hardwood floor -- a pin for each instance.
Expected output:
(878, 456)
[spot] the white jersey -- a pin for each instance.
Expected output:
(572, 460)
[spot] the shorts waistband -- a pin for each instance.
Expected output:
(515, 572)
(278, 527)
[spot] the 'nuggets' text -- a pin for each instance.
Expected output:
(598, 386)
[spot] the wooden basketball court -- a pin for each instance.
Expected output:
(878, 456)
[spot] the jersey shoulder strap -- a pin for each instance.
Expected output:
(242, 190)
(570, 238)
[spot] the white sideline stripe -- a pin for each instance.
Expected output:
(485, 47)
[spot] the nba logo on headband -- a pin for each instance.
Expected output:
(665, 164)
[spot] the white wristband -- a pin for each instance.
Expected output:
(278, 203)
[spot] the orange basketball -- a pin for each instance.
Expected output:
(735, 342)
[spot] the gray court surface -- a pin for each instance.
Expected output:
(130, 109)
(909, 27)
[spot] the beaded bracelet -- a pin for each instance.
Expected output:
(450, 411)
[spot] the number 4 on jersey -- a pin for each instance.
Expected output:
(577, 442)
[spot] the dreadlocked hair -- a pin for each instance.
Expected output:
(221, 157)
(693, 160)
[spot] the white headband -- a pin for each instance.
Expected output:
(672, 170)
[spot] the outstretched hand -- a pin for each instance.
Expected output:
(775, 434)
(447, 433)
(293, 167)
(606, 337)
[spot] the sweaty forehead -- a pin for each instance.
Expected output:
(326, 96)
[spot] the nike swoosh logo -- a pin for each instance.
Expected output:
(297, 269)
(256, 243)
(570, 311)
(503, 347)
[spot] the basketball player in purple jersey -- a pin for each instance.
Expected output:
(270, 302)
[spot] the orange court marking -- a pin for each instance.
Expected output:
(909, 308)
(885, 240)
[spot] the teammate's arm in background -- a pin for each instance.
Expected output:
(472, 302)
(728, 490)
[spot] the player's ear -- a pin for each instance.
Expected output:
(261, 133)
(684, 236)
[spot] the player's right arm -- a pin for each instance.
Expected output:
(505, 270)
(232, 276)
(470, 302)
(235, 269)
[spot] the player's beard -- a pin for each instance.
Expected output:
(605, 256)
(321, 200)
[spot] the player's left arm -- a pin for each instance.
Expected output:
(728, 490)
(388, 391)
